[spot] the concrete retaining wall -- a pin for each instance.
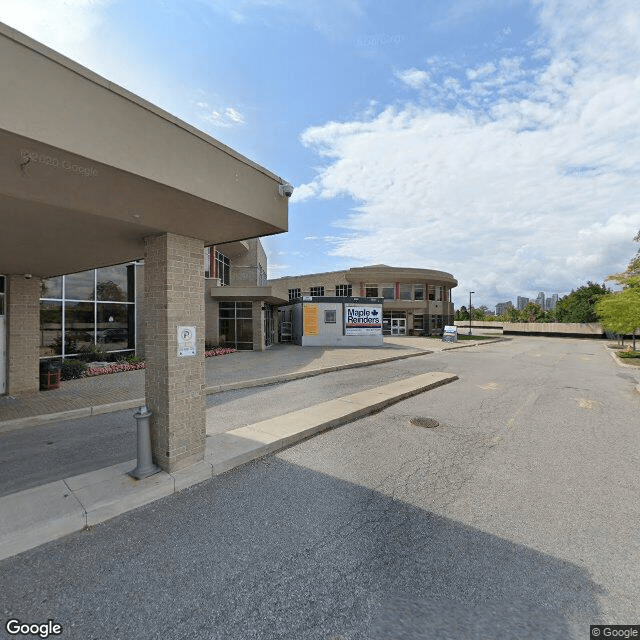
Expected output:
(561, 329)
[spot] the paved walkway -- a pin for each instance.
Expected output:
(111, 392)
(35, 516)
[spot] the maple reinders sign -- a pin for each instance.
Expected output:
(362, 321)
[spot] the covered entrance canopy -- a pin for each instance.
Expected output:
(88, 170)
(92, 175)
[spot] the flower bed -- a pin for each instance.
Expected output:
(218, 351)
(126, 366)
(116, 367)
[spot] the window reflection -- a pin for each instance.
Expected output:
(112, 329)
(50, 329)
(79, 326)
(97, 306)
(111, 284)
(80, 286)
(52, 287)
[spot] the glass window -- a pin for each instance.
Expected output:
(79, 326)
(438, 292)
(80, 286)
(388, 291)
(418, 322)
(294, 293)
(330, 316)
(207, 262)
(115, 326)
(222, 268)
(52, 288)
(50, 328)
(112, 283)
(371, 290)
(405, 292)
(317, 291)
(418, 292)
(236, 325)
(344, 290)
(432, 292)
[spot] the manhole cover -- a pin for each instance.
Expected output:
(428, 423)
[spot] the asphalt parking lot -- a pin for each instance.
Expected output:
(515, 517)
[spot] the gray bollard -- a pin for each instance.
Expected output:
(145, 466)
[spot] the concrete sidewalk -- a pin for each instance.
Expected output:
(35, 516)
(283, 362)
(116, 392)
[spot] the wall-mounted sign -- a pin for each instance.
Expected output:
(362, 321)
(186, 342)
(310, 320)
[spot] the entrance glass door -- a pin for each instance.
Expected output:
(398, 326)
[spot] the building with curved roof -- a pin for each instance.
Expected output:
(415, 301)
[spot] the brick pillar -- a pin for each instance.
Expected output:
(258, 325)
(23, 334)
(174, 385)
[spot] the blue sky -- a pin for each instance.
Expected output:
(498, 140)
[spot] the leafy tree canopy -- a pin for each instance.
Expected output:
(579, 305)
(631, 276)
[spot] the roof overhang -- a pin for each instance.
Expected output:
(383, 273)
(88, 170)
(246, 294)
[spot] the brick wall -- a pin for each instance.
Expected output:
(23, 334)
(174, 296)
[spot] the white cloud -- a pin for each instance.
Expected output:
(66, 26)
(414, 78)
(219, 118)
(531, 183)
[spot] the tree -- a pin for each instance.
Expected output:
(579, 305)
(631, 276)
(620, 311)
(461, 313)
(532, 312)
(511, 315)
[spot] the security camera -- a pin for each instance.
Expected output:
(285, 189)
(27, 276)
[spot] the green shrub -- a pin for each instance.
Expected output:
(629, 354)
(92, 353)
(72, 369)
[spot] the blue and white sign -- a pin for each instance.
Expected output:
(450, 334)
(362, 321)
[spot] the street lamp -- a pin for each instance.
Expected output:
(470, 292)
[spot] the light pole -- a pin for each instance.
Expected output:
(470, 292)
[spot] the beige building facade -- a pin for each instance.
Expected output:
(92, 176)
(241, 308)
(415, 301)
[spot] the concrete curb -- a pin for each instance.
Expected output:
(474, 344)
(32, 517)
(617, 360)
(7, 426)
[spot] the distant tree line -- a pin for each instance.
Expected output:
(617, 311)
(577, 306)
